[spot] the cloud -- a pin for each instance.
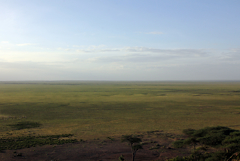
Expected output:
(134, 55)
(143, 56)
(4, 42)
(65, 49)
(232, 55)
(5, 45)
(127, 63)
(85, 51)
(155, 33)
(136, 58)
(25, 44)
(186, 52)
(183, 52)
(98, 50)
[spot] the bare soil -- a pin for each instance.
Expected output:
(156, 147)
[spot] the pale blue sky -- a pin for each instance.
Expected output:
(119, 40)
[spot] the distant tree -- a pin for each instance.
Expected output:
(134, 143)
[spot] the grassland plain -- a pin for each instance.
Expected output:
(100, 109)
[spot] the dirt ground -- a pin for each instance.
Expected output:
(155, 148)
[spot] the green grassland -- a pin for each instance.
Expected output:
(99, 109)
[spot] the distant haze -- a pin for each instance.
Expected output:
(119, 40)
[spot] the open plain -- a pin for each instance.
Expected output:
(95, 111)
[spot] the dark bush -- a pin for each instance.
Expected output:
(189, 132)
(25, 125)
(214, 139)
(225, 140)
(178, 144)
(32, 141)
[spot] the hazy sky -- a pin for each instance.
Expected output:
(119, 40)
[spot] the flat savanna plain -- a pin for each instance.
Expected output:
(92, 110)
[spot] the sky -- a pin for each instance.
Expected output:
(120, 40)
